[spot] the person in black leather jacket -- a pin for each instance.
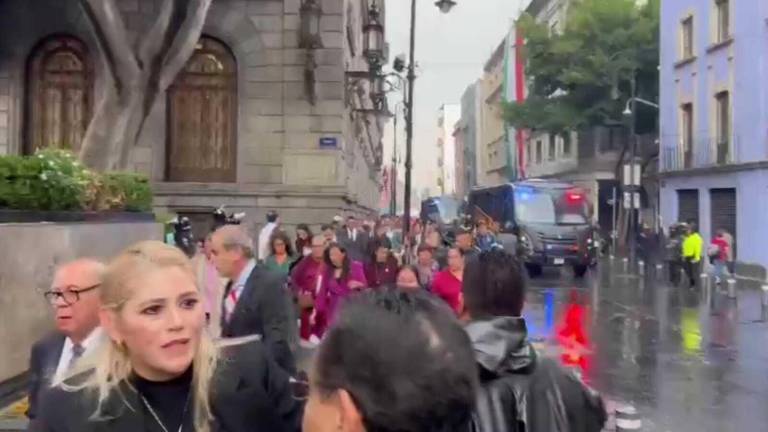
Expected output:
(536, 394)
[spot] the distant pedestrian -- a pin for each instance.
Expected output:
(382, 268)
(341, 278)
(329, 233)
(281, 254)
(354, 240)
(303, 240)
(484, 237)
(306, 279)
(426, 266)
(693, 249)
(273, 221)
(408, 279)
(447, 283)
(718, 254)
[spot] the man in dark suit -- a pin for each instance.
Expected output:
(255, 302)
(74, 296)
(355, 240)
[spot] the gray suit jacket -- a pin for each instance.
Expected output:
(42, 367)
(263, 310)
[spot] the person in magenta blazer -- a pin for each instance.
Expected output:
(342, 277)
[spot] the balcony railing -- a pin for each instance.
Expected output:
(703, 153)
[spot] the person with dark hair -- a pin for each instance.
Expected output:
(408, 279)
(281, 254)
(424, 380)
(466, 242)
(342, 276)
(447, 283)
(303, 240)
(519, 389)
(329, 233)
(354, 239)
(265, 235)
(484, 237)
(426, 265)
(306, 279)
(382, 268)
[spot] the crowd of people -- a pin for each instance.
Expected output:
(410, 335)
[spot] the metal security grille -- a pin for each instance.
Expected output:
(723, 211)
(688, 205)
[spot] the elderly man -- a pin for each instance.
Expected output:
(254, 301)
(74, 297)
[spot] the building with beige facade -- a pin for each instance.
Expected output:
(492, 147)
(251, 122)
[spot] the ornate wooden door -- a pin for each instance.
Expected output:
(202, 117)
(59, 94)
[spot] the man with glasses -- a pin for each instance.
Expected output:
(74, 298)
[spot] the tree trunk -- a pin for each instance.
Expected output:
(113, 130)
(137, 75)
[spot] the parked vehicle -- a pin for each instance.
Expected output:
(547, 223)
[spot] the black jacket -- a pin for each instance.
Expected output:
(356, 249)
(521, 392)
(263, 309)
(43, 361)
(249, 393)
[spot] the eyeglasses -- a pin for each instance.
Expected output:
(70, 294)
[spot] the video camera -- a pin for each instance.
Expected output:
(221, 218)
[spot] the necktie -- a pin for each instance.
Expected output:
(231, 301)
(77, 352)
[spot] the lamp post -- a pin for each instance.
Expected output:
(633, 171)
(393, 202)
(445, 6)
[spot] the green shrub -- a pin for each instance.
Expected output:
(53, 179)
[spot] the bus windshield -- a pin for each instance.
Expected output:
(550, 206)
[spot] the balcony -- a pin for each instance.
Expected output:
(704, 153)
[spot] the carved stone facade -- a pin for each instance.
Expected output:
(297, 144)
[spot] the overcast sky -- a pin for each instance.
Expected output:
(450, 52)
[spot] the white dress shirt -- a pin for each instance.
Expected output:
(89, 345)
(264, 235)
(237, 288)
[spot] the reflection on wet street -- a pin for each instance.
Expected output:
(687, 359)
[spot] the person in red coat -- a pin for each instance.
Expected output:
(447, 283)
(383, 266)
(306, 278)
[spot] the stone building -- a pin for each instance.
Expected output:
(250, 122)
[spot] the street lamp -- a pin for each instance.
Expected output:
(445, 6)
(374, 38)
(310, 14)
(632, 174)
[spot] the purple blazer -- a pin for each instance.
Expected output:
(333, 291)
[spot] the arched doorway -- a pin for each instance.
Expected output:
(59, 96)
(202, 117)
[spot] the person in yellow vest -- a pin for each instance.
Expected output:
(693, 247)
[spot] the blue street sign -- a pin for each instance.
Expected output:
(329, 142)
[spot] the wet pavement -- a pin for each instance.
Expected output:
(687, 359)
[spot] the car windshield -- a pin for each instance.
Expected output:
(443, 210)
(550, 207)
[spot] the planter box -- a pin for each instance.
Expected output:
(31, 216)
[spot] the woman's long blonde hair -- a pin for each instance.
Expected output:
(111, 365)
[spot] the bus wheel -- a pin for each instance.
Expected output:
(580, 270)
(534, 270)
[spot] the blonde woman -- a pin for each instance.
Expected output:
(160, 371)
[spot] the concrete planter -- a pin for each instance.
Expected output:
(29, 216)
(29, 254)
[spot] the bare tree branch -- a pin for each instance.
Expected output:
(187, 37)
(109, 29)
(152, 43)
